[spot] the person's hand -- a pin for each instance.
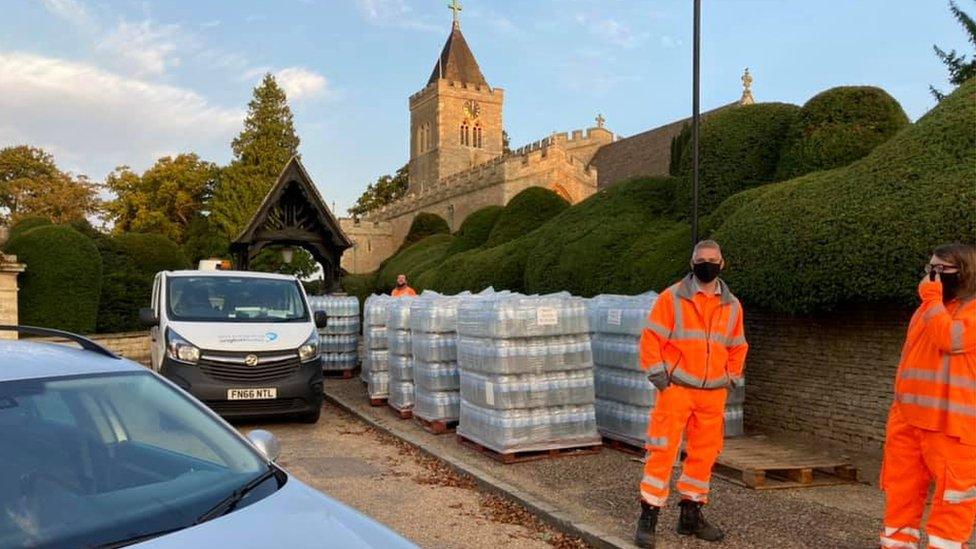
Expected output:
(930, 289)
(659, 380)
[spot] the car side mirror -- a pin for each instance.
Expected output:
(266, 443)
(148, 318)
(321, 319)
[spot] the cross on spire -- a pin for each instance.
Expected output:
(455, 6)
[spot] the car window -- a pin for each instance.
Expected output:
(91, 460)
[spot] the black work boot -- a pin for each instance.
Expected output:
(692, 522)
(646, 525)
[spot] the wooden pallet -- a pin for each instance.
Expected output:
(402, 414)
(624, 447)
(437, 427)
(378, 401)
(340, 374)
(530, 455)
(760, 464)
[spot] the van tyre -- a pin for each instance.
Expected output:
(311, 417)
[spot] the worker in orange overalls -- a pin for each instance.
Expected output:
(402, 289)
(932, 423)
(693, 349)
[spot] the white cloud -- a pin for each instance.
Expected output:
(612, 31)
(395, 13)
(143, 47)
(92, 119)
(300, 83)
(71, 11)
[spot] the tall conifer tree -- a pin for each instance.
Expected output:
(261, 151)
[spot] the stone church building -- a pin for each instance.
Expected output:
(458, 163)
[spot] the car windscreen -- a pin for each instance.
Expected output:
(234, 299)
(93, 460)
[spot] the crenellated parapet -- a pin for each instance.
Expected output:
(521, 163)
(443, 85)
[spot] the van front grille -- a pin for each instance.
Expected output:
(271, 366)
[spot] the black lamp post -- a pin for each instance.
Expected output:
(696, 84)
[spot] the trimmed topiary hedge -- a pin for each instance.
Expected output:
(579, 251)
(131, 261)
(61, 286)
(475, 229)
(837, 127)
(740, 149)
(525, 212)
(413, 260)
(860, 233)
(424, 225)
(27, 224)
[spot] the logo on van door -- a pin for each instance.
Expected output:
(271, 336)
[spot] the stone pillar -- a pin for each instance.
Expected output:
(9, 269)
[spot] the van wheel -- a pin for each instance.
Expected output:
(311, 417)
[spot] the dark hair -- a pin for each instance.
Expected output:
(964, 257)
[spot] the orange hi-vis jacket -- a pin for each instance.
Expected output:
(697, 339)
(935, 388)
(406, 291)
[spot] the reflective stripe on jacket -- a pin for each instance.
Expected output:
(699, 341)
(935, 387)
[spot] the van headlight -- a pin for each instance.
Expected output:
(310, 349)
(180, 349)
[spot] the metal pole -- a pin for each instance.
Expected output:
(696, 84)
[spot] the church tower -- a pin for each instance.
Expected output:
(456, 120)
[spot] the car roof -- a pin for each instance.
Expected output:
(235, 274)
(26, 359)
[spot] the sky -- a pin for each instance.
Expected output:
(107, 83)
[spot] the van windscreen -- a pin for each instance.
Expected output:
(232, 299)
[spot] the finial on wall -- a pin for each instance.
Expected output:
(747, 98)
(455, 6)
(600, 120)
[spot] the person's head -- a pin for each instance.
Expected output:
(401, 280)
(956, 265)
(707, 261)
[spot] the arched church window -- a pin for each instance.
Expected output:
(428, 144)
(477, 136)
(419, 141)
(465, 134)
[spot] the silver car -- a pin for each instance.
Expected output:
(97, 451)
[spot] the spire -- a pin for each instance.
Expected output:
(746, 98)
(456, 61)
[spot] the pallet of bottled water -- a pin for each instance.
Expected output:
(433, 333)
(376, 355)
(526, 373)
(400, 354)
(339, 339)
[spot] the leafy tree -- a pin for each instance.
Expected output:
(165, 200)
(270, 260)
(32, 185)
(387, 189)
(960, 69)
(204, 241)
(261, 151)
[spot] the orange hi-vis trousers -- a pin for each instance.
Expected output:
(700, 415)
(914, 458)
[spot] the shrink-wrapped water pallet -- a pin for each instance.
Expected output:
(526, 372)
(433, 338)
(624, 396)
(339, 340)
(400, 354)
(376, 359)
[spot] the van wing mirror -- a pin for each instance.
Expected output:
(148, 318)
(321, 319)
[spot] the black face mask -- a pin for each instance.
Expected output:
(950, 285)
(706, 272)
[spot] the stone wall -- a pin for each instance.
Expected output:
(9, 269)
(131, 345)
(830, 377)
(372, 243)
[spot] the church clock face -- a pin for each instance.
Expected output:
(472, 109)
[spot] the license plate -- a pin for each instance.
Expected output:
(252, 394)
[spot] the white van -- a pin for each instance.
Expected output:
(244, 343)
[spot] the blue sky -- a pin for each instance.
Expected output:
(105, 83)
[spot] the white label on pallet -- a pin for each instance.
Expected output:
(614, 316)
(547, 316)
